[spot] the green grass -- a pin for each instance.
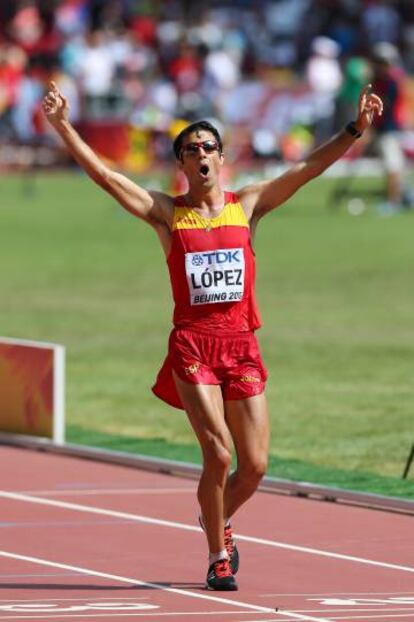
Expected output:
(337, 300)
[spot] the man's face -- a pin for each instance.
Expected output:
(200, 158)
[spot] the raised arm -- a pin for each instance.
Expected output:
(259, 199)
(153, 207)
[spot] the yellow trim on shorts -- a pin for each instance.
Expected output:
(187, 218)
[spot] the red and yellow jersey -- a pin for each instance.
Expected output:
(212, 269)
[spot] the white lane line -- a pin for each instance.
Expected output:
(171, 590)
(385, 609)
(56, 616)
(298, 616)
(125, 615)
(335, 618)
(376, 617)
(46, 616)
(120, 615)
(105, 575)
(321, 553)
(164, 523)
(287, 619)
(173, 614)
(294, 616)
(109, 491)
(325, 594)
(27, 601)
(349, 594)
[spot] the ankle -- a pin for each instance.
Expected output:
(216, 557)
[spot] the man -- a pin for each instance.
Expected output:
(388, 78)
(213, 369)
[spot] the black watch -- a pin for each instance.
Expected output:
(351, 129)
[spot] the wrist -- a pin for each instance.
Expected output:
(60, 125)
(354, 129)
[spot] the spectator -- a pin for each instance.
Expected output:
(388, 83)
(356, 75)
(27, 105)
(324, 76)
(72, 17)
(186, 68)
(96, 72)
(12, 63)
(33, 28)
(381, 22)
(26, 26)
(137, 62)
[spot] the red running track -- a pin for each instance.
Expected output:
(86, 541)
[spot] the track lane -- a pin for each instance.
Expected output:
(115, 544)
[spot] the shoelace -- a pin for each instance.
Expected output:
(222, 568)
(228, 540)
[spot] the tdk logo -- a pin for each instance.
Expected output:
(217, 257)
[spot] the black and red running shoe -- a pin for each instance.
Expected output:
(230, 545)
(231, 549)
(220, 577)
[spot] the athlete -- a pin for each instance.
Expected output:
(213, 369)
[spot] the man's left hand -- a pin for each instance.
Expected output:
(369, 104)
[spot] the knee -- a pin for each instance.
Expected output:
(253, 470)
(216, 454)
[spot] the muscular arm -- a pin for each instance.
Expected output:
(153, 207)
(258, 199)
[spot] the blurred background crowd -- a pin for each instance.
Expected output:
(278, 75)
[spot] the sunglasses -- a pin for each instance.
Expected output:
(207, 145)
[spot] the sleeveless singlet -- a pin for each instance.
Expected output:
(212, 270)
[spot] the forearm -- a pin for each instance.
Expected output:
(260, 199)
(329, 152)
(81, 152)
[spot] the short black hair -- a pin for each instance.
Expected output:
(194, 127)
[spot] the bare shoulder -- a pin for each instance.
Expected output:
(154, 207)
(249, 196)
(261, 198)
(163, 211)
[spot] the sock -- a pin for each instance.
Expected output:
(215, 557)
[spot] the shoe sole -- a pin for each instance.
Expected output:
(235, 560)
(233, 588)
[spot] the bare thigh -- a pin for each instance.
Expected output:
(248, 422)
(204, 406)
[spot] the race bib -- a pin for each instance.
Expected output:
(215, 276)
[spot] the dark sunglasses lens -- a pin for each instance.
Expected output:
(191, 148)
(209, 146)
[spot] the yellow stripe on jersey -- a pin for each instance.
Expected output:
(187, 218)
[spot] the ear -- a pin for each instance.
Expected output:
(221, 158)
(179, 164)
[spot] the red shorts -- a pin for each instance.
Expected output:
(234, 362)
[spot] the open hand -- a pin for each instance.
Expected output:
(369, 104)
(55, 105)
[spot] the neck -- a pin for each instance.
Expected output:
(205, 197)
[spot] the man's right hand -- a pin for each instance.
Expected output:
(55, 105)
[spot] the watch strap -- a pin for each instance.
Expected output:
(352, 129)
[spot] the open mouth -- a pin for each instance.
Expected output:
(204, 170)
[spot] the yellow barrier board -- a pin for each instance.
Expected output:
(32, 388)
